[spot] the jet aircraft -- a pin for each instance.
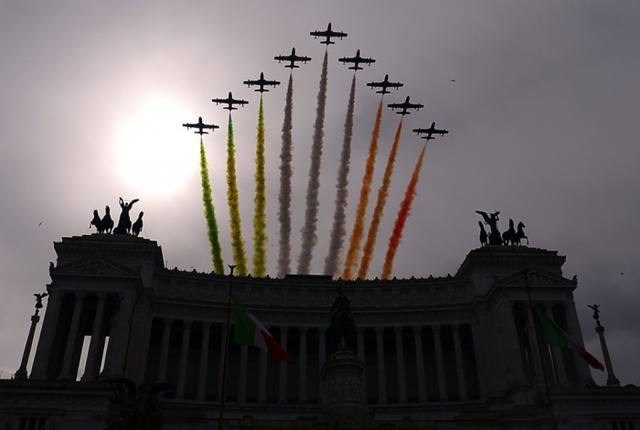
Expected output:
(261, 83)
(405, 106)
(230, 101)
(328, 33)
(356, 61)
(292, 59)
(430, 131)
(384, 84)
(201, 126)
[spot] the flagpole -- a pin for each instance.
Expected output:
(552, 414)
(226, 350)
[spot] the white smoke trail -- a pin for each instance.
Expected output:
(309, 237)
(338, 231)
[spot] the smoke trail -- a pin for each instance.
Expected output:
(403, 214)
(284, 195)
(383, 192)
(210, 214)
(339, 230)
(259, 217)
(237, 243)
(358, 226)
(308, 231)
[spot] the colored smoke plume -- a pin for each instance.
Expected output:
(237, 244)
(358, 227)
(309, 237)
(403, 214)
(210, 214)
(259, 217)
(339, 230)
(284, 195)
(383, 192)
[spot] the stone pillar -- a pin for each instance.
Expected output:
(262, 377)
(91, 369)
(612, 381)
(71, 338)
(121, 324)
(184, 359)
(573, 327)
(462, 380)
(221, 375)
(361, 355)
(343, 396)
(204, 358)
(282, 388)
(164, 349)
(47, 335)
(322, 351)
(402, 379)
(143, 357)
(21, 373)
(242, 374)
(442, 385)
(556, 352)
(422, 387)
(302, 380)
(481, 369)
(382, 379)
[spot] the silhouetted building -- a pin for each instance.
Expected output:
(455, 352)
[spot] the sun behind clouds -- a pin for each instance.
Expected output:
(152, 155)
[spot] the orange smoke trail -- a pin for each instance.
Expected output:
(237, 243)
(358, 228)
(210, 213)
(383, 192)
(403, 214)
(259, 216)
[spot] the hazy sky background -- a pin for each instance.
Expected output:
(543, 120)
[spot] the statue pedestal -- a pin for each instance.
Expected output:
(343, 397)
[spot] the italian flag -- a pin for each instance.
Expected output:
(554, 335)
(249, 331)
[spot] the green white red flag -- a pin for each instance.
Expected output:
(554, 335)
(249, 331)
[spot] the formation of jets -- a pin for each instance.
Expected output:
(430, 131)
(384, 84)
(356, 61)
(261, 83)
(328, 34)
(201, 127)
(292, 58)
(230, 101)
(405, 106)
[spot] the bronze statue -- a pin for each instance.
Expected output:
(39, 297)
(124, 223)
(136, 228)
(342, 328)
(141, 406)
(492, 221)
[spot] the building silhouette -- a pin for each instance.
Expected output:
(455, 352)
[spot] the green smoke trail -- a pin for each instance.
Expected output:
(259, 216)
(210, 214)
(233, 199)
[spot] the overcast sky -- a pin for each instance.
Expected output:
(541, 100)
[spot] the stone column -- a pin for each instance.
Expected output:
(361, 355)
(282, 388)
(120, 336)
(72, 337)
(144, 350)
(573, 327)
(382, 379)
(302, 380)
(184, 359)
(164, 349)
(204, 358)
(481, 369)
(556, 353)
(93, 361)
(242, 374)
(402, 379)
(422, 387)
(462, 380)
(442, 385)
(322, 351)
(21, 373)
(47, 335)
(262, 381)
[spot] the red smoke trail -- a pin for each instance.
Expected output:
(308, 231)
(403, 214)
(284, 195)
(237, 243)
(339, 230)
(358, 227)
(383, 192)
(210, 213)
(259, 217)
